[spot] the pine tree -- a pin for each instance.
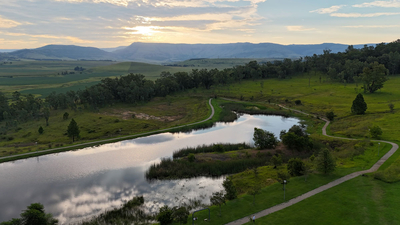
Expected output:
(325, 162)
(359, 105)
(73, 130)
(40, 130)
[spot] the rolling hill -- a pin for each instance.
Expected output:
(166, 53)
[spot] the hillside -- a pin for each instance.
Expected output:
(166, 53)
(63, 52)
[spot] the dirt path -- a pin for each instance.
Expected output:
(113, 139)
(276, 208)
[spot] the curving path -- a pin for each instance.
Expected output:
(276, 208)
(113, 139)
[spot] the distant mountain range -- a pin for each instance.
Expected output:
(165, 53)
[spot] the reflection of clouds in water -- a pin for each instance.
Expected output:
(78, 184)
(92, 202)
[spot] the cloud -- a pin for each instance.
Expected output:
(359, 15)
(69, 38)
(298, 28)
(6, 23)
(372, 26)
(331, 9)
(161, 3)
(385, 4)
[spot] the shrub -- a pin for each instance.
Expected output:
(40, 130)
(276, 160)
(191, 157)
(391, 107)
(295, 167)
(375, 131)
(165, 215)
(297, 102)
(65, 116)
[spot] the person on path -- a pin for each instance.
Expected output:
(254, 218)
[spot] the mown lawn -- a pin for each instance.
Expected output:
(362, 200)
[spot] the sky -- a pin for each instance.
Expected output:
(112, 23)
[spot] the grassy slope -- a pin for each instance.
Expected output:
(362, 200)
(107, 123)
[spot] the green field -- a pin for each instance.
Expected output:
(42, 77)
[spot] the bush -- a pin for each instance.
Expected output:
(297, 102)
(295, 167)
(391, 107)
(165, 215)
(330, 115)
(296, 139)
(276, 160)
(40, 130)
(191, 157)
(375, 131)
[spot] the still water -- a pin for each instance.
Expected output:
(76, 185)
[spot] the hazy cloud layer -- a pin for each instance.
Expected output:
(111, 23)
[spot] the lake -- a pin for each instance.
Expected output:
(77, 185)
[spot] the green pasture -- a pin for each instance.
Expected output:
(44, 77)
(362, 200)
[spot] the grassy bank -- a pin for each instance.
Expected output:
(108, 123)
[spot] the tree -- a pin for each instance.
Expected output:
(73, 130)
(165, 215)
(230, 189)
(255, 190)
(40, 130)
(359, 105)
(218, 198)
(46, 114)
(180, 215)
(264, 139)
(374, 76)
(330, 115)
(65, 116)
(325, 162)
(295, 167)
(33, 215)
(375, 131)
(296, 139)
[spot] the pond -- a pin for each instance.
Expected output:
(77, 185)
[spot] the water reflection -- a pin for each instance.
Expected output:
(79, 184)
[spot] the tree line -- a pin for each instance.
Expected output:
(368, 65)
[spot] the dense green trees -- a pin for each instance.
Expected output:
(296, 139)
(264, 139)
(33, 215)
(359, 106)
(296, 167)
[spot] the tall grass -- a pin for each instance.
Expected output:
(209, 148)
(177, 169)
(131, 212)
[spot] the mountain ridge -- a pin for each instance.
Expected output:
(166, 52)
